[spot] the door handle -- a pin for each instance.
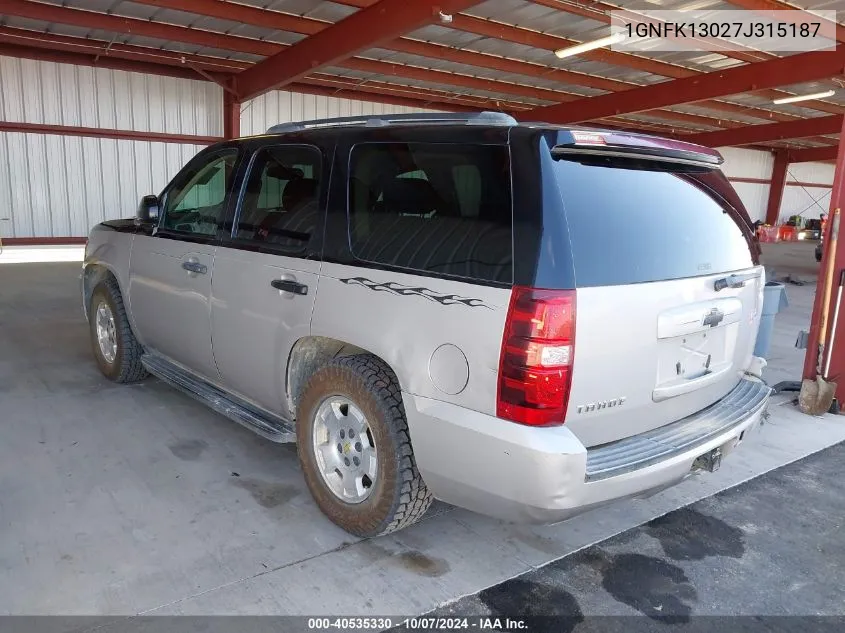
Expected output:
(288, 285)
(195, 267)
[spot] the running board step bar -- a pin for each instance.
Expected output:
(263, 423)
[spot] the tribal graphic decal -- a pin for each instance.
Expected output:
(399, 289)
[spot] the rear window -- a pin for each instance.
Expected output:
(631, 226)
(438, 208)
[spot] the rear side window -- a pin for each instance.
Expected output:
(631, 226)
(438, 208)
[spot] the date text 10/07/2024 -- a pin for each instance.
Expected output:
(421, 623)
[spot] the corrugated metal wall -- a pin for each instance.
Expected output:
(747, 163)
(806, 201)
(59, 186)
(63, 94)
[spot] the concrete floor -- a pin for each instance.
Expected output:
(119, 500)
(770, 547)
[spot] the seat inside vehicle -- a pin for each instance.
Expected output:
(292, 223)
(426, 232)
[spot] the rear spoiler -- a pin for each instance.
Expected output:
(635, 146)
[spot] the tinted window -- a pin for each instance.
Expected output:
(631, 226)
(437, 208)
(196, 201)
(280, 206)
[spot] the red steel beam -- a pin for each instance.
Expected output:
(535, 39)
(95, 47)
(814, 155)
(52, 13)
(776, 187)
(44, 241)
(250, 14)
(438, 100)
(80, 59)
(599, 11)
(96, 132)
(436, 51)
(32, 10)
(826, 342)
(231, 116)
(308, 26)
(310, 86)
(103, 49)
(134, 26)
(789, 183)
(81, 51)
(65, 15)
(776, 72)
(751, 134)
(364, 29)
(225, 10)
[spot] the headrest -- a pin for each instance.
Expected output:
(297, 191)
(282, 172)
(412, 196)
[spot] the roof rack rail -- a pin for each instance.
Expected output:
(380, 120)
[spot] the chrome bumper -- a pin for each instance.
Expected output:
(684, 435)
(545, 475)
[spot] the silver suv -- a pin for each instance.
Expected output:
(523, 320)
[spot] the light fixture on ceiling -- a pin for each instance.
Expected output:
(590, 46)
(797, 98)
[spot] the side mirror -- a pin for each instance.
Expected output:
(148, 210)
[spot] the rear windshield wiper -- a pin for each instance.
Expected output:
(733, 281)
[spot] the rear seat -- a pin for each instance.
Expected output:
(466, 247)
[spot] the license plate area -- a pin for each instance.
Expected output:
(710, 461)
(692, 356)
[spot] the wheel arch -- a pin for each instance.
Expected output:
(309, 353)
(92, 274)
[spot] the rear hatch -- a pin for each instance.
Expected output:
(668, 282)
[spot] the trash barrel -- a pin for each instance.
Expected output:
(774, 300)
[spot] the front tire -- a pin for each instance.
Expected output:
(116, 350)
(355, 449)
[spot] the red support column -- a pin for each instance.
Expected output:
(776, 187)
(826, 345)
(231, 116)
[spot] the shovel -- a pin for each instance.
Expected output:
(816, 396)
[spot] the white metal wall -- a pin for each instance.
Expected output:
(280, 106)
(63, 94)
(747, 163)
(59, 186)
(809, 202)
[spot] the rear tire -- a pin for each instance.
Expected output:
(350, 393)
(116, 350)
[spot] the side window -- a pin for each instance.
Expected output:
(438, 208)
(280, 207)
(196, 201)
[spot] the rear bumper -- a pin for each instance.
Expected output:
(545, 475)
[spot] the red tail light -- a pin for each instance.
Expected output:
(535, 368)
